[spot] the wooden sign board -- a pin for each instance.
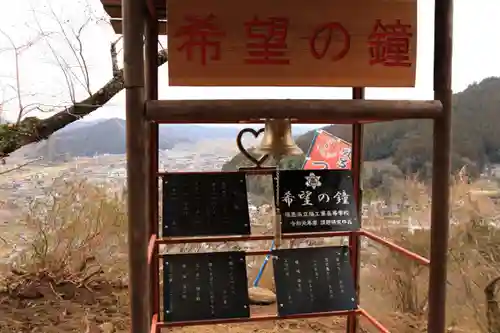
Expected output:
(312, 280)
(340, 43)
(204, 286)
(205, 204)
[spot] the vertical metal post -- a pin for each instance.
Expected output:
(133, 28)
(151, 64)
(443, 46)
(354, 241)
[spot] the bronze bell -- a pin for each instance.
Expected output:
(277, 140)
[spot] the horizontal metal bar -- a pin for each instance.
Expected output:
(258, 170)
(248, 253)
(151, 248)
(255, 319)
(254, 170)
(244, 238)
(300, 111)
(397, 248)
(373, 321)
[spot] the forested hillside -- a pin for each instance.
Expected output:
(476, 134)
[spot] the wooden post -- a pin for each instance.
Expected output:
(443, 47)
(133, 29)
(301, 111)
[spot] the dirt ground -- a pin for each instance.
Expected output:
(44, 307)
(59, 308)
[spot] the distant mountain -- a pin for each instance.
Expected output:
(195, 133)
(81, 124)
(107, 136)
(408, 143)
(89, 138)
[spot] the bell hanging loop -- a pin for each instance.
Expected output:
(277, 140)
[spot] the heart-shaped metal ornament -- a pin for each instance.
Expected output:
(257, 161)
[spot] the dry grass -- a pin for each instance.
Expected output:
(394, 284)
(71, 265)
(74, 265)
(72, 225)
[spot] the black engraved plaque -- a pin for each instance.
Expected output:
(311, 280)
(205, 286)
(205, 204)
(316, 200)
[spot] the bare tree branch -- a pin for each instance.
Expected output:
(31, 129)
(62, 63)
(18, 50)
(114, 57)
(17, 54)
(76, 51)
(17, 167)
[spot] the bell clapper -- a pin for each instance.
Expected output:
(278, 142)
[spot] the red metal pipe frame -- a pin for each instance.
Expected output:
(358, 93)
(154, 213)
(354, 243)
(181, 240)
(151, 80)
(258, 318)
(154, 324)
(157, 325)
(373, 321)
(353, 322)
(411, 255)
(247, 253)
(236, 238)
(250, 171)
(152, 247)
(360, 311)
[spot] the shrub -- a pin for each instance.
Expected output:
(74, 230)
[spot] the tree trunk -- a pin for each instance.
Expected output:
(32, 129)
(492, 307)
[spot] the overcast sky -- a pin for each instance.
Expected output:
(476, 56)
